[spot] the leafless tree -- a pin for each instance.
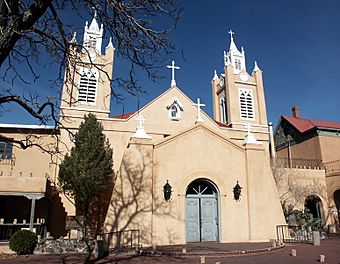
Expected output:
(35, 31)
(295, 185)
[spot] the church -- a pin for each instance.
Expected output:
(180, 175)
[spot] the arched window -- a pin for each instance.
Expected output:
(88, 86)
(223, 107)
(246, 103)
(174, 111)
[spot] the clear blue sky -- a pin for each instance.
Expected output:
(295, 43)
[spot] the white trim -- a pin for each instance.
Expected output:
(257, 125)
(249, 110)
(99, 118)
(95, 72)
(243, 82)
(244, 130)
(26, 126)
(29, 195)
(85, 109)
(179, 107)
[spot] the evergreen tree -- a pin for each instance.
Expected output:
(87, 170)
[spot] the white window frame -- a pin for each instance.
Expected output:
(88, 71)
(179, 107)
(246, 104)
(223, 107)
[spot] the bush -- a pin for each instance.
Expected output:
(23, 242)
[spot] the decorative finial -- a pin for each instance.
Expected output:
(74, 38)
(215, 75)
(173, 68)
(110, 43)
(256, 68)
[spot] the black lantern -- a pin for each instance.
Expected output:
(167, 191)
(237, 191)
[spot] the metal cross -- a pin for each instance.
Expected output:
(140, 120)
(198, 104)
(173, 68)
(231, 34)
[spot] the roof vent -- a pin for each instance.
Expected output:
(296, 111)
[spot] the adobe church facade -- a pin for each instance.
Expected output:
(172, 142)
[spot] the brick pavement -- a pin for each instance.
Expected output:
(305, 254)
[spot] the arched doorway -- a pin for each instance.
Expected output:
(337, 204)
(201, 206)
(313, 204)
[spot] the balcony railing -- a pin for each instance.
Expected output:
(7, 230)
(313, 164)
(332, 166)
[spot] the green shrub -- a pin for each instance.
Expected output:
(23, 242)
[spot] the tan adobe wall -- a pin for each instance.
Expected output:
(295, 185)
(330, 148)
(32, 163)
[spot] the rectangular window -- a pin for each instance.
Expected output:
(246, 103)
(87, 88)
(6, 150)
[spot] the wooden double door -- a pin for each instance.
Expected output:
(201, 212)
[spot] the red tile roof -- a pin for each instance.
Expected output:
(303, 125)
(123, 116)
(222, 124)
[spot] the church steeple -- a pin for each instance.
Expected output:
(87, 87)
(238, 96)
(234, 56)
(93, 35)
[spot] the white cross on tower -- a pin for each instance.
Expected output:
(140, 120)
(231, 34)
(248, 127)
(173, 68)
(198, 104)
(249, 138)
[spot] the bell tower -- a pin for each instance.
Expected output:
(87, 81)
(237, 96)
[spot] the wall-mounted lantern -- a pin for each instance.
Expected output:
(237, 191)
(167, 191)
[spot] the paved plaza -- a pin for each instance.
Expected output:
(213, 252)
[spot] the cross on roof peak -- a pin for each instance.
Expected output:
(198, 104)
(173, 68)
(231, 34)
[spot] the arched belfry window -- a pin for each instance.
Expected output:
(238, 64)
(174, 111)
(87, 88)
(246, 103)
(90, 43)
(223, 107)
(175, 108)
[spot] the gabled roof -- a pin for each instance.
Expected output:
(303, 125)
